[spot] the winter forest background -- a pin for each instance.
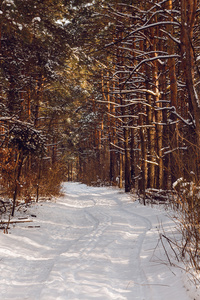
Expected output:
(105, 93)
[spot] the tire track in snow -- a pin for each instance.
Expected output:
(99, 228)
(142, 281)
(89, 241)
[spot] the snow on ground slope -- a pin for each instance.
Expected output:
(92, 243)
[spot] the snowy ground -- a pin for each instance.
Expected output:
(92, 243)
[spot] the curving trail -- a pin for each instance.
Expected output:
(92, 243)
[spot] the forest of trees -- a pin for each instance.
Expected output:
(143, 111)
(103, 92)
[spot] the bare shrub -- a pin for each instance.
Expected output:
(50, 181)
(188, 202)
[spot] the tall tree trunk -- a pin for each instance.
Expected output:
(143, 158)
(171, 61)
(19, 164)
(127, 171)
(120, 170)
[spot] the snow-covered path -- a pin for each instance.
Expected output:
(92, 243)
